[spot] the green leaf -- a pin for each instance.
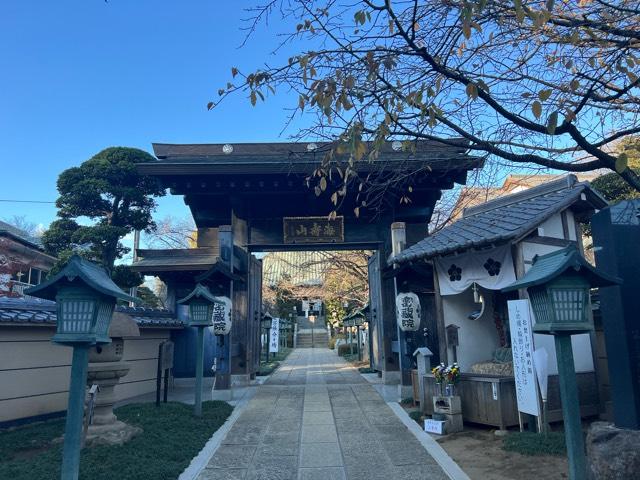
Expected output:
(323, 184)
(253, 98)
(234, 72)
(536, 108)
(552, 123)
(622, 162)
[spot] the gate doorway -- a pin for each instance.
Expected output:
(252, 198)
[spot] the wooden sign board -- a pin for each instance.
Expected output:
(452, 335)
(313, 229)
(166, 355)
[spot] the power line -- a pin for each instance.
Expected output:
(23, 201)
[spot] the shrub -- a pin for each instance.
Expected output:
(416, 416)
(332, 343)
(345, 349)
(367, 370)
(528, 443)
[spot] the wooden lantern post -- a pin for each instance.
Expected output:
(85, 298)
(201, 310)
(558, 285)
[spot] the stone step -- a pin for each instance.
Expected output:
(319, 338)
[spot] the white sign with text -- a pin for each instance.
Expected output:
(274, 336)
(522, 348)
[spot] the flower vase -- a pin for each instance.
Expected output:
(450, 392)
(439, 389)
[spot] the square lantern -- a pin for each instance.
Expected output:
(201, 303)
(558, 284)
(85, 298)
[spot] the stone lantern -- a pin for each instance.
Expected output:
(106, 368)
(85, 297)
(558, 285)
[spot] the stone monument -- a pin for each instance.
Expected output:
(106, 368)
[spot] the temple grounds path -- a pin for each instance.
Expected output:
(317, 418)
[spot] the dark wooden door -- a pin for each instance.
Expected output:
(375, 311)
(254, 314)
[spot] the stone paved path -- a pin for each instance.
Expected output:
(316, 418)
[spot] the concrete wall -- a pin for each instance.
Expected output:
(34, 373)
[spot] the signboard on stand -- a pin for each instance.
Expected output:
(274, 335)
(523, 365)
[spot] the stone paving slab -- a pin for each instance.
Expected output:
(316, 418)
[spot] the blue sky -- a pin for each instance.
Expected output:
(79, 76)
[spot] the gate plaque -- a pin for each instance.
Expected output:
(313, 229)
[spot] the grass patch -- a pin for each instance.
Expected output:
(528, 443)
(172, 437)
(267, 368)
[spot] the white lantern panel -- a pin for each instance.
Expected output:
(408, 312)
(221, 317)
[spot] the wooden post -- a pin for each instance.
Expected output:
(75, 413)
(197, 410)
(570, 407)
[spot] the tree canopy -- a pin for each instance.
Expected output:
(108, 191)
(534, 82)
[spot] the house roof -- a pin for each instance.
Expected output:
(33, 311)
(20, 235)
(251, 158)
(79, 269)
(505, 219)
(200, 292)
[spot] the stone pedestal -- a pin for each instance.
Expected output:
(106, 375)
(106, 368)
(105, 427)
(448, 409)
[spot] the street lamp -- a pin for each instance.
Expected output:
(558, 285)
(201, 304)
(85, 297)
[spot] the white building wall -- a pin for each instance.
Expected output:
(478, 339)
(582, 354)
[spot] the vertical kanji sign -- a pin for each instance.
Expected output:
(274, 335)
(522, 348)
(221, 317)
(408, 312)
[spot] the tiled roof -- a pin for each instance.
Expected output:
(301, 268)
(502, 220)
(297, 157)
(175, 259)
(20, 235)
(35, 311)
